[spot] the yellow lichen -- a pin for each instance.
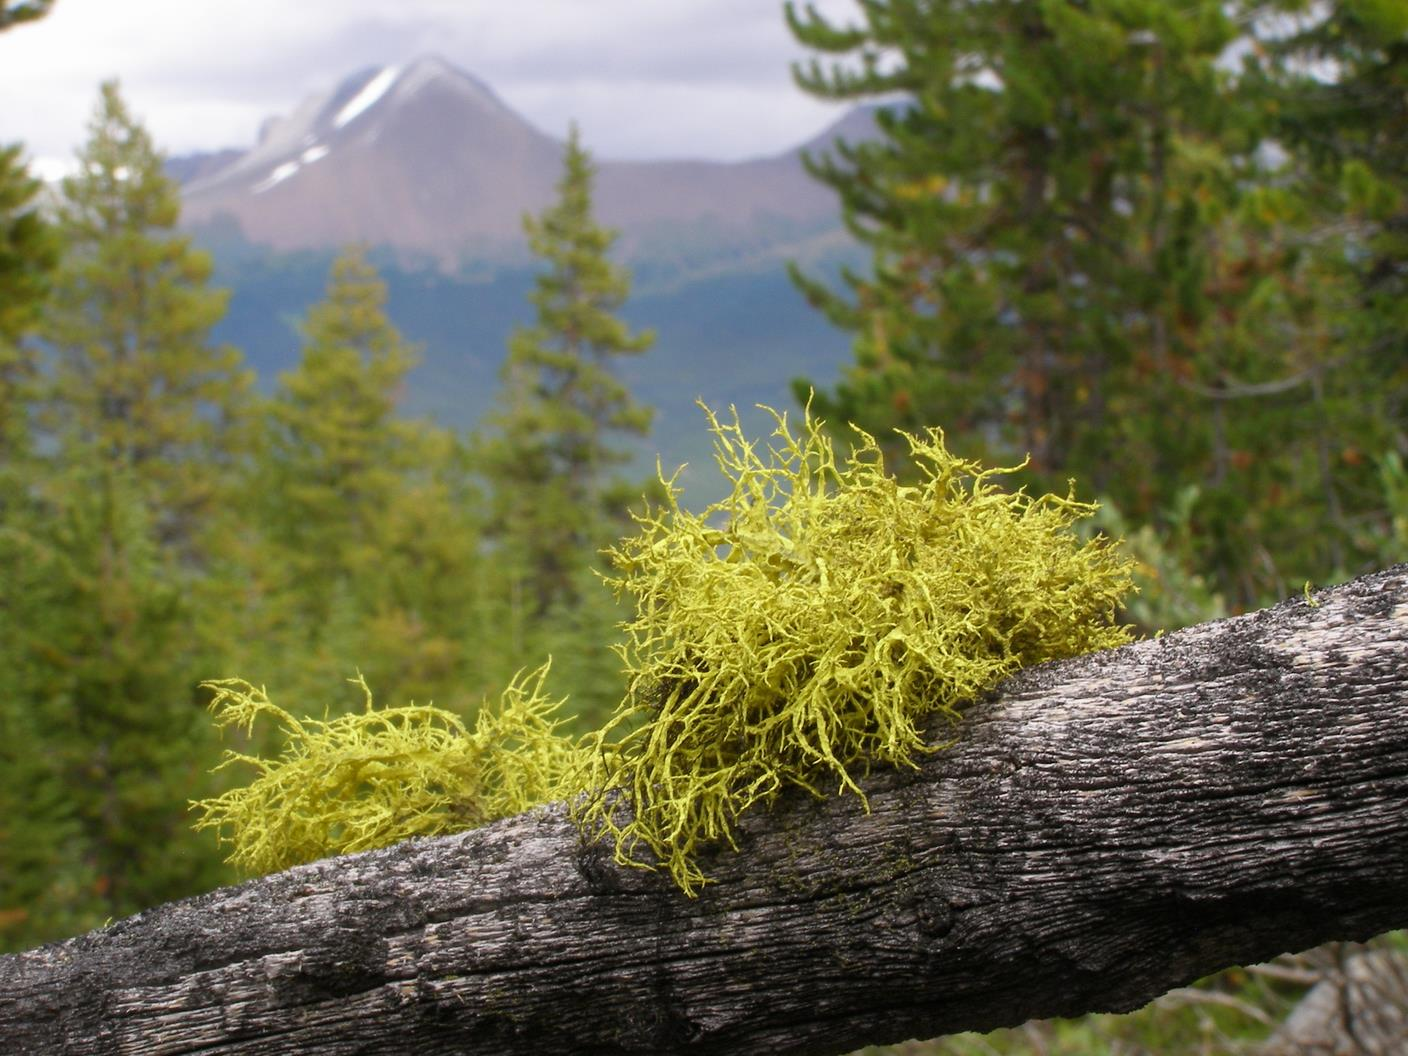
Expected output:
(375, 777)
(805, 628)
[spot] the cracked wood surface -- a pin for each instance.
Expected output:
(1104, 829)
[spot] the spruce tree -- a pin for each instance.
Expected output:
(374, 544)
(336, 450)
(114, 738)
(137, 383)
(558, 433)
(38, 831)
(28, 253)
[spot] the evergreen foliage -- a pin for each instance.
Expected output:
(115, 716)
(335, 437)
(1029, 202)
(1168, 591)
(1081, 251)
(45, 888)
(1349, 125)
(335, 455)
(28, 254)
(1348, 132)
(552, 450)
(563, 413)
(40, 882)
(369, 519)
(136, 383)
(111, 531)
(100, 725)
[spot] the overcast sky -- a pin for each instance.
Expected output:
(643, 78)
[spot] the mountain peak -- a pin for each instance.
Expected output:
(359, 109)
(422, 155)
(429, 68)
(386, 156)
(388, 85)
(432, 71)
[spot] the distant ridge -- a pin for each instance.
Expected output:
(425, 157)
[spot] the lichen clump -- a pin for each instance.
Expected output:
(809, 626)
(375, 777)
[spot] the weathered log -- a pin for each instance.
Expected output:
(1104, 829)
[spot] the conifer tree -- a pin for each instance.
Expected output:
(372, 529)
(1334, 86)
(34, 833)
(143, 419)
(1080, 254)
(113, 735)
(1031, 199)
(28, 253)
(137, 383)
(335, 445)
(563, 414)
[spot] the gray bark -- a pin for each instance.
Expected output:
(1105, 829)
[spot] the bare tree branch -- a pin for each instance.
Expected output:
(1359, 1007)
(1105, 829)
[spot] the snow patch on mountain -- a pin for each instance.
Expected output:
(278, 176)
(367, 97)
(285, 136)
(313, 153)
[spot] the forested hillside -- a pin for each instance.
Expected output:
(733, 336)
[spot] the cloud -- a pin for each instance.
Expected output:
(645, 78)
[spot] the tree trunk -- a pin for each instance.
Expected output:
(1104, 829)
